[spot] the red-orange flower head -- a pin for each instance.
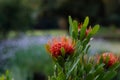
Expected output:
(54, 46)
(87, 30)
(112, 59)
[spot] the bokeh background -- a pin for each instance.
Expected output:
(26, 25)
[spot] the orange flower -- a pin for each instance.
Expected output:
(54, 46)
(87, 30)
(112, 59)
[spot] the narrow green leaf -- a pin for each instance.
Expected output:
(61, 76)
(70, 20)
(109, 75)
(85, 42)
(100, 76)
(86, 22)
(62, 51)
(90, 76)
(78, 43)
(107, 59)
(83, 28)
(60, 60)
(70, 25)
(74, 35)
(99, 69)
(95, 29)
(75, 28)
(88, 67)
(87, 48)
(52, 78)
(93, 32)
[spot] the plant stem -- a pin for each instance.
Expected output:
(55, 70)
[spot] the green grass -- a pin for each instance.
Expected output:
(13, 34)
(45, 32)
(104, 31)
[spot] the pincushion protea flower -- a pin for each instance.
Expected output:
(108, 58)
(56, 44)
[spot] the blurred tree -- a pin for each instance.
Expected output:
(20, 14)
(14, 15)
(100, 11)
(110, 6)
(76, 8)
(112, 14)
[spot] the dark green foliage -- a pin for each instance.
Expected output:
(14, 15)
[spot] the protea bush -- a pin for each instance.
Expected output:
(71, 59)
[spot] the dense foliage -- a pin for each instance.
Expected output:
(14, 15)
(71, 57)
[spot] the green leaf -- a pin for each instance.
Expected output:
(78, 47)
(71, 25)
(93, 32)
(75, 28)
(61, 76)
(99, 69)
(101, 59)
(87, 48)
(95, 29)
(83, 28)
(70, 21)
(85, 42)
(109, 75)
(62, 51)
(60, 60)
(2, 77)
(74, 35)
(52, 78)
(107, 59)
(90, 76)
(88, 67)
(100, 76)
(8, 75)
(86, 21)
(78, 43)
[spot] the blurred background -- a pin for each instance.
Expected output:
(26, 25)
